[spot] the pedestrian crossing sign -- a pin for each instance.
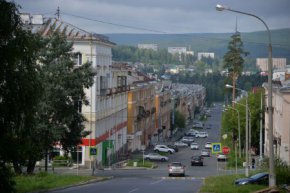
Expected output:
(216, 147)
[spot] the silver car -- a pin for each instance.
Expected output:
(155, 157)
(205, 153)
(176, 168)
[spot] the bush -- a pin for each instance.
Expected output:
(7, 184)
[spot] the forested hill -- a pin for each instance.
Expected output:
(256, 43)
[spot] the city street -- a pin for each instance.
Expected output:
(157, 180)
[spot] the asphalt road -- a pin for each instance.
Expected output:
(157, 180)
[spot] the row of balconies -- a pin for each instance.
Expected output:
(116, 90)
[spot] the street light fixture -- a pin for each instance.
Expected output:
(239, 129)
(272, 176)
(247, 129)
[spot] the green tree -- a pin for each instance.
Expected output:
(59, 117)
(20, 91)
(233, 59)
(179, 120)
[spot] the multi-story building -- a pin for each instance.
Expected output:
(281, 121)
(205, 55)
(141, 114)
(177, 50)
(278, 63)
(106, 113)
(148, 46)
(163, 111)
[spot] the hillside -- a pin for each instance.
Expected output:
(255, 42)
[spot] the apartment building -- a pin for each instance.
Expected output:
(201, 55)
(148, 46)
(281, 121)
(278, 63)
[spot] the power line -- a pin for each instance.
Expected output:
(163, 32)
(115, 24)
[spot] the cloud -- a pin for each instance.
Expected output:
(171, 16)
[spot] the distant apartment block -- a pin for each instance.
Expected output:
(177, 50)
(278, 63)
(205, 55)
(148, 46)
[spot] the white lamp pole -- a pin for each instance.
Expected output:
(272, 175)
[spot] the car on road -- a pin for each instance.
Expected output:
(201, 135)
(173, 147)
(194, 146)
(187, 139)
(180, 144)
(259, 178)
(205, 153)
(197, 160)
(163, 148)
(176, 168)
(221, 157)
(155, 157)
(207, 145)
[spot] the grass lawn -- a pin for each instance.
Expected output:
(225, 184)
(44, 181)
(147, 164)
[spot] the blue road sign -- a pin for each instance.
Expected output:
(93, 151)
(216, 148)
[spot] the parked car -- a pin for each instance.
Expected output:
(163, 148)
(205, 153)
(155, 157)
(197, 160)
(201, 134)
(180, 144)
(194, 146)
(176, 168)
(221, 157)
(260, 178)
(207, 145)
(189, 133)
(173, 147)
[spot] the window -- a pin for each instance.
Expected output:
(78, 59)
(103, 85)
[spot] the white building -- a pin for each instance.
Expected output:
(205, 55)
(107, 112)
(177, 50)
(278, 63)
(148, 46)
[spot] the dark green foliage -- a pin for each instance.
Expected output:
(147, 56)
(59, 116)
(7, 184)
(179, 120)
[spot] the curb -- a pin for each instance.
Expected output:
(100, 179)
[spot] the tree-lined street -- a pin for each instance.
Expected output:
(127, 180)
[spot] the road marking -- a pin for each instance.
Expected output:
(182, 178)
(133, 190)
(157, 182)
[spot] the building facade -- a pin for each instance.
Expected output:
(278, 63)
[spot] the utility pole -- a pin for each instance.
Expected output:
(261, 131)
(58, 13)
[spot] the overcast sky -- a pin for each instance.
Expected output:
(163, 16)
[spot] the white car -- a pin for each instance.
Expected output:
(207, 145)
(187, 139)
(194, 146)
(221, 157)
(180, 144)
(205, 153)
(201, 135)
(155, 156)
(176, 168)
(163, 148)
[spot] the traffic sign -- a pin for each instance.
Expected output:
(93, 151)
(226, 150)
(216, 147)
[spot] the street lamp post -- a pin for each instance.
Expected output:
(272, 176)
(247, 129)
(239, 129)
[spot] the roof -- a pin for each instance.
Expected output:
(71, 32)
